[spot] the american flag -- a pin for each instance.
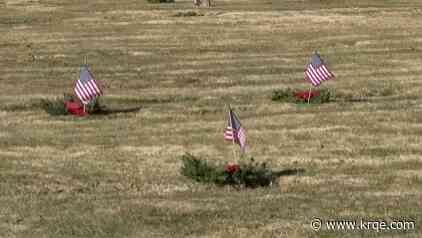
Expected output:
(86, 88)
(234, 131)
(316, 72)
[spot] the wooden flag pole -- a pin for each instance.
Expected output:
(309, 94)
(86, 64)
(233, 144)
(234, 149)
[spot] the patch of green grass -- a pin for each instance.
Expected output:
(380, 152)
(16, 20)
(188, 14)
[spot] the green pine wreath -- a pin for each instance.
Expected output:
(248, 173)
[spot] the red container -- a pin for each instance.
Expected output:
(304, 95)
(75, 108)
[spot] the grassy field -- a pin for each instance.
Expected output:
(119, 175)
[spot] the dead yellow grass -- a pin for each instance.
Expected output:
(118, 175)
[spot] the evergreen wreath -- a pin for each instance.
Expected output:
(301, 96)
(249, 173)
(56, 106)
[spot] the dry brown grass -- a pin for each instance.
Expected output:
(118, 175)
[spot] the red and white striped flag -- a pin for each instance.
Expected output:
(86, 87)
(234, 131)
(316, 72)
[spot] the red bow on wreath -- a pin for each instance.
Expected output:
(232, 168)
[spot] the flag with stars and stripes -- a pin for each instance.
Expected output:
(234, 131)
(316, 72)
(86, 87)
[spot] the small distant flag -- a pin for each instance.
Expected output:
(86, 87)
(234, 131)
(316, 72)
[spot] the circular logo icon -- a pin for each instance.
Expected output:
(316, 224)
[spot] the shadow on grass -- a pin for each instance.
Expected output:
(288, 172)
(109, 111)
